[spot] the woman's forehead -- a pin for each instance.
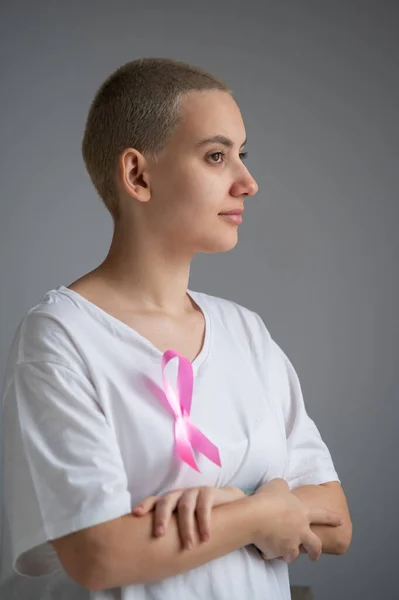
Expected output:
(210, 118)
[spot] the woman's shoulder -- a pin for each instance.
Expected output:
(46, 332)
(229, 309)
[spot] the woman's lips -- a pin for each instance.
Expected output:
(235, 218)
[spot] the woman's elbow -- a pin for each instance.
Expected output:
(344, 537)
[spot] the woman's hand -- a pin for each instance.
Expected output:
(302, 550)
(287, 558)
(288, 533)
(193, 507)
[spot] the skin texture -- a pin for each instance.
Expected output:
(193, 507)
(124, 551)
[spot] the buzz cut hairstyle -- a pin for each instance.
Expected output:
(137, 106)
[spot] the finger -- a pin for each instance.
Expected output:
(145, 506)
(324, 516)
(203, 512)
(312, 544)
(291, 557)
(226, 495)
(163, 511)
(186, 517)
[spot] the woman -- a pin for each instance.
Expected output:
(104, 476)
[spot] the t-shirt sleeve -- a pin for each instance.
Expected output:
(63, 470)
(309, 460)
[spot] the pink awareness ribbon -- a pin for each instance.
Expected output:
(187, 435)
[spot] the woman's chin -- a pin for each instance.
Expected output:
(220, 244)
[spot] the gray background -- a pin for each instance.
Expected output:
(317, 83)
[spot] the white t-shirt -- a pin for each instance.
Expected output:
(85, 438)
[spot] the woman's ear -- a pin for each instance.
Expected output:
(134, 175)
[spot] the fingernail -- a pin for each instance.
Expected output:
(189, 544)
(160, 530)
(205, 537)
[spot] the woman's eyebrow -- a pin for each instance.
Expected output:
(221, 139)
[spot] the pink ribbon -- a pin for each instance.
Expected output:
(187, 435)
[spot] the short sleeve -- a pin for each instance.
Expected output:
(309, 460)
(63, 470)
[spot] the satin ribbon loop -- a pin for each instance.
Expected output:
(187, 436)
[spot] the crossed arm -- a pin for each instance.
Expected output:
(330, 496)
(87, 558)
(335, 540)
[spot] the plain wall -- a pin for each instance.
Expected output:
(317, 258)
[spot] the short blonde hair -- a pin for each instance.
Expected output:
(137, 106)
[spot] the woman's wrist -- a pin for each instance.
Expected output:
(238, 491)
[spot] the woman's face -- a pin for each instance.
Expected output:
(193, 181)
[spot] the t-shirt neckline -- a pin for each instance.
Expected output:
(105, 316)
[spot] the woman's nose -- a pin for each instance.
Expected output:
(246, 186)
(253, 187)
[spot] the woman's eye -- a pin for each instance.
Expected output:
(216, 154)
(243, 156)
